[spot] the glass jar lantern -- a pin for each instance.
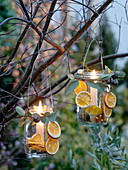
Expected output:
(95, 111)
(41, 139)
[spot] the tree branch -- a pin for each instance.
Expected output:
(24, 81)
(24, 9)
(29, 69)
(19, 41)
(58, 54)
(70, 42)
(30, 23)
(64, 78)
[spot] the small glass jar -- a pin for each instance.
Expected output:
(35, 139)
(39, 142)
(87, 116)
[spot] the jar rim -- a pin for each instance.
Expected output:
(88, 75)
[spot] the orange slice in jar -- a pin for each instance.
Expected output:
(83, 99)
(81, 87)
(37, 147)
(54, 129)
(93, 110)
(52, 146)
(110, 100)
(107, 112)
(35, 139)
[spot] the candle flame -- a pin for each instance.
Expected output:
(39, 108)
(93, 74)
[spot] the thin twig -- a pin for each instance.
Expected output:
(24, 9)
(58, 54)
(65, 77)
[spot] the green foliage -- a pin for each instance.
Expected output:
(45, 118)
(99, 85)
(72, 85)
(102, 83)
(73, 142)
(106, 149)
(106, 76)
(48, 117)
(121, 74)
(5, 12)
(20, 111)
(8, 31)
(6, 84)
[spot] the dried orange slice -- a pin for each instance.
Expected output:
(36, 147)
(93, 110)
(35, 139)
(110, 100)
(52, 146)
(32, 143)
(109, 70)
(107, 112)
(36, 142)
(54, 129)
(81, 87)
(83, 99)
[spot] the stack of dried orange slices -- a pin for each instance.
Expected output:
(49, 145)
(109, 103)
(54, 132)
(36, 142)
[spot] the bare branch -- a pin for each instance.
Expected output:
(60, 49)
(64, 78)
(7, 33)
(71, 41)
(19, 41)
(25, 80)
(24, 9)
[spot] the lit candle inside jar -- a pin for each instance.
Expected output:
(93, 91)
(40, 125)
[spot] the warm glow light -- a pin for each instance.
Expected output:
(39, 108)
(93, 75)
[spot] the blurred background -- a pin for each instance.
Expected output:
(111, 34)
